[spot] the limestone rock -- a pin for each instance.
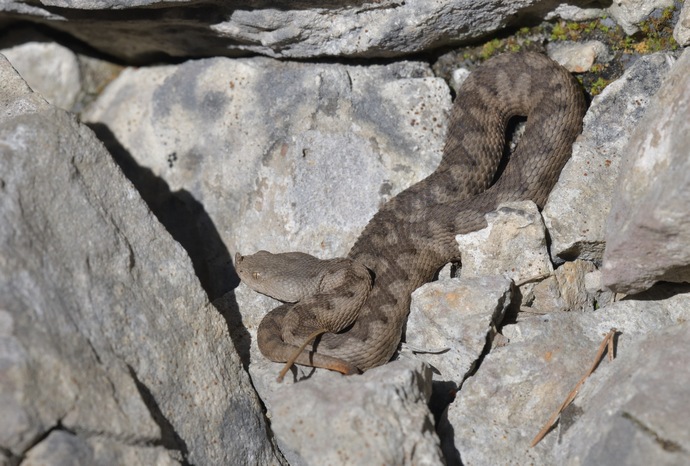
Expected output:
(456, 314)
(513, 245)
(379, 417)
(544, 298)
(49, 69)
(63, 448)
(681, 32)
(578, 57)
(576, 210)
(571, 282)
(648, 230)
(518, 386)
(636, 412)
(104, 329)
(144, 30)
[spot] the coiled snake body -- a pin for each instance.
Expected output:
(350, 312)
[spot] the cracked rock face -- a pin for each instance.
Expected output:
(106, 345)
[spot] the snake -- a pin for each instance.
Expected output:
(348, 314)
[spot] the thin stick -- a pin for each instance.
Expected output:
(294, 357)
(607, 343)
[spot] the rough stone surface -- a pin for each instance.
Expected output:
(104, 329)
(380, 417)
(63, 448)
(544, 297)
(648, 230)
(261, 154)
(142, 30)
(571, 281)
(456, 314)
(635, 413)
(575, 213)
(520, 385)
(681, 32)
(49, 69)
(578, 57)
(513, 245)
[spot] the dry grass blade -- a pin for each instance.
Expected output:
(607, 343)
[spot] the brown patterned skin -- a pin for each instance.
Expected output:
(413, 235)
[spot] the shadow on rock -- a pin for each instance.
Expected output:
(190, 225)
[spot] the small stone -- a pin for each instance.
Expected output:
(458, 77)
(513, 245)
(571, 282)
(578, 57)
(545, 297)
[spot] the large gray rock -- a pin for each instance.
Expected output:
(636, 413)
(141, 30)
(105, 332)
(576, 210)
(519, 386)
(146, 30)
(648, 230)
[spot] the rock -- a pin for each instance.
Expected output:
(380, 417)
(636, 412)
(571, 282)
(104, 329)
(519, 386)
(544, 298)
(575, 13)
(456, 314)
(49, 69)
(146, 30)
(458, 77)
(681, 32)
(630, 13)
(513, 245)
(63, 448)
(270, 155)
(648, 230)
(578, 57)
(576, 210)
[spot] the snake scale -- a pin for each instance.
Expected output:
(348, 314)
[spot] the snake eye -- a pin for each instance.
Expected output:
(256, 275)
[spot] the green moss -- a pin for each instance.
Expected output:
(598, 85)
(559, 31)
(490, 49)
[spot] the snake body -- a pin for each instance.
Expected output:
(413, 235)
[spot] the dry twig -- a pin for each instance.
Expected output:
(607, 343)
